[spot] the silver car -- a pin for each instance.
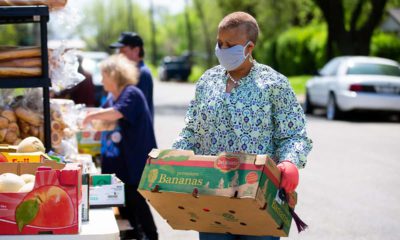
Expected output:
(355, 83)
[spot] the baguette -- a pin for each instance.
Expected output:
(22, 62)
(52, 4)
(19, 52)
(20, 71)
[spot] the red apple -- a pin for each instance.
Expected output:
(46, 206)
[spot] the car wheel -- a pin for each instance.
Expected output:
(332, 110)
(308, 107)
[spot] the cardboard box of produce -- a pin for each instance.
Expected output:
(229, 193)
(106, 190)
(33, 157)
(49, 206)
(89, 142)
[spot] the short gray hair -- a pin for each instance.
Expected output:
(237, 19)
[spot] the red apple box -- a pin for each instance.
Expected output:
(50, 208)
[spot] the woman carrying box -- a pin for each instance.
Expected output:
(244, 106)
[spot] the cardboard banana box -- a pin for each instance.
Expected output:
(229, 193)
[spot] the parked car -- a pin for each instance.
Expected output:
(355, 83)
(174, 67)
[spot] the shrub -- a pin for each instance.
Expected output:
(385, 45)
(301, 50)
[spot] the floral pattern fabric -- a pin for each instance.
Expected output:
(260, 116)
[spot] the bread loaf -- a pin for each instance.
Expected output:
(10, 115)
(34, 131)
(14, 127)
(11, 137)
(16, 142)
(24, 126)
(3, 133)
(3, 122)
(41, 133)
(19, 52)
(20, 71)
(28, 116)
(22, 62)
(52, 4)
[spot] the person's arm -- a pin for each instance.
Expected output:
(107, 114)
(290, 137)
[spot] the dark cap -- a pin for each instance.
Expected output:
(131, 39)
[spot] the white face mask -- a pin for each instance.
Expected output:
(231, 58)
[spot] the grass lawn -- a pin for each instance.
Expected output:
(299, 83)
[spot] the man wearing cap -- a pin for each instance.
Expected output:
(131, 45)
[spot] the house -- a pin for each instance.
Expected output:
(392, 23)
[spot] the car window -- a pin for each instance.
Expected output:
(331, 68)
(373, 69)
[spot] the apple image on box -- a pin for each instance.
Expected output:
(46, 206)
(2, 158)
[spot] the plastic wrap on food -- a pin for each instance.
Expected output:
(63, 69)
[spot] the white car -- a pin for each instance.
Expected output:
(355, 83)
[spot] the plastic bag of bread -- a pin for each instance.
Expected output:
(9, 129)
(63, 69)
(52, 4)
(20, 61)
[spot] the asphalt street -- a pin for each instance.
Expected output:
(350, 188)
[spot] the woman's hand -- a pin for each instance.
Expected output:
(289, 176)
(88, 119)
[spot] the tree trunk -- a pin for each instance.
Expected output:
(188, 28)
(130, 21)
(353, 41)
(207, 41)
(153, 35)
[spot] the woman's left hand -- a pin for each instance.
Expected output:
(289, 176)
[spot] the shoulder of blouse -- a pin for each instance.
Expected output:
(266, 75)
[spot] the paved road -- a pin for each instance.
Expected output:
(350, 188)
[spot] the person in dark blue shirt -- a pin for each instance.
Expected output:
(125, 149)
(131, 45)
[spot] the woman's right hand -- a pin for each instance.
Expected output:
(87, 120)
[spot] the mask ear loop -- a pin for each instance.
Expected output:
(251, 59)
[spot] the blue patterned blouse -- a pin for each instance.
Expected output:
(260, 116)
